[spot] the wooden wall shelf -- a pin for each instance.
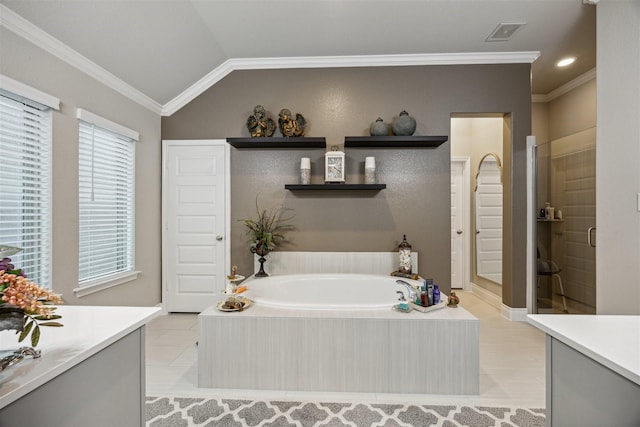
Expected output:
(394, 141)
(375, 187)
(303, 143)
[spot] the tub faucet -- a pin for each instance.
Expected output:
(413, 294)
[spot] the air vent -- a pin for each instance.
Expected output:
(505, 31)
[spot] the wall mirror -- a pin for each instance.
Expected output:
(488, 200)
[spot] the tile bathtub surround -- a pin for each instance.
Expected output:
(373, 351)
(512, 365)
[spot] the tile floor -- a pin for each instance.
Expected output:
(512, 364)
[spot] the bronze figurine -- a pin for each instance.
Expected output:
(290, 126)
(259, 124)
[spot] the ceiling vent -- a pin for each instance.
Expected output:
(505, 31)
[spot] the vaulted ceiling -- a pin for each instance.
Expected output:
(164, 47)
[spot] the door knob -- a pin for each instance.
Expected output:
(219, 238)
(459, 231)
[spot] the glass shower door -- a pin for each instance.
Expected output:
(566, 179)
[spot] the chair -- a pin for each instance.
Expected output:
(550, 269)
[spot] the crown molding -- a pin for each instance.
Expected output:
(235, 64)
(25, 29)
(567, 87)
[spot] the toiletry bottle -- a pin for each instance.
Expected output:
(547, 207)
(430, 293)
(425, 292)
(436, 294)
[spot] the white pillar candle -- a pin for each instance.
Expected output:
(370, 170)
(370, 163)
(305, 170)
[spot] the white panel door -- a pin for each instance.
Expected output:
(194, 209)
(489, 223)
(457, 229)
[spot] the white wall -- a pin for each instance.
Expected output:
(27, 63)
(618, 157)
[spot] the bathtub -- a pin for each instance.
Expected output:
(336, 292)
(337, 333)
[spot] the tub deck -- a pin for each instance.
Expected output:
(377, 351)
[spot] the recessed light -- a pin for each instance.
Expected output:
(566, 61)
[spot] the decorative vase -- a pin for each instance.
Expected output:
(379, 128)
(404, 125)
(404, 252)
(261, 249)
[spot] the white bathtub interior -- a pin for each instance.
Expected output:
(336, 291)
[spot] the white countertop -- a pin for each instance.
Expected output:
(613, 341)
(86, 331)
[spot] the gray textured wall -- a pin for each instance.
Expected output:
(341, 102)
(33, 66)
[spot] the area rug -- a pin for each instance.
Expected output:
(192, 411)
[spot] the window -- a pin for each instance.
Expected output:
(25, 181)
(106, 202)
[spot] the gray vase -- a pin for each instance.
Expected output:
(379, 128)
(404, 125)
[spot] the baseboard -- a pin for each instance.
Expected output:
(487, 296)
(164, 310)
(514, 314)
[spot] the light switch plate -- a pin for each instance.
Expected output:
(638, 202)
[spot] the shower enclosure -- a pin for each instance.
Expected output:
(565, 182)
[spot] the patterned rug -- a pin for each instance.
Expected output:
(192, 411)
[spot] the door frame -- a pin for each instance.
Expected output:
(227, 201)
(466, 219)
(532, 226)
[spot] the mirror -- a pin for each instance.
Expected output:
(488, 198)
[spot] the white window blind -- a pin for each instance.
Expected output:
(106, 202)
(25, 190)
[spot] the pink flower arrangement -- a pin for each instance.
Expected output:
(28, 302)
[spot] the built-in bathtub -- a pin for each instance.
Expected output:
(323, 333)
(338, 292)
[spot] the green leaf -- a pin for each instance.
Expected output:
(25, 332)
(35, 336)
(56, 324)
(51, 317)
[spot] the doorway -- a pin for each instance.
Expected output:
(473, 136)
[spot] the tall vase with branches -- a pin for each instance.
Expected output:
(266, 231)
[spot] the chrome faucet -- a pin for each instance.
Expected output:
(413, 294)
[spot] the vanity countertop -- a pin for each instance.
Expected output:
(86, 331)
(613, 341)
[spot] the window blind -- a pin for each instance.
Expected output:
(106, 203)
(25, 148)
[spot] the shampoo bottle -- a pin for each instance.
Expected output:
(436, 294)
